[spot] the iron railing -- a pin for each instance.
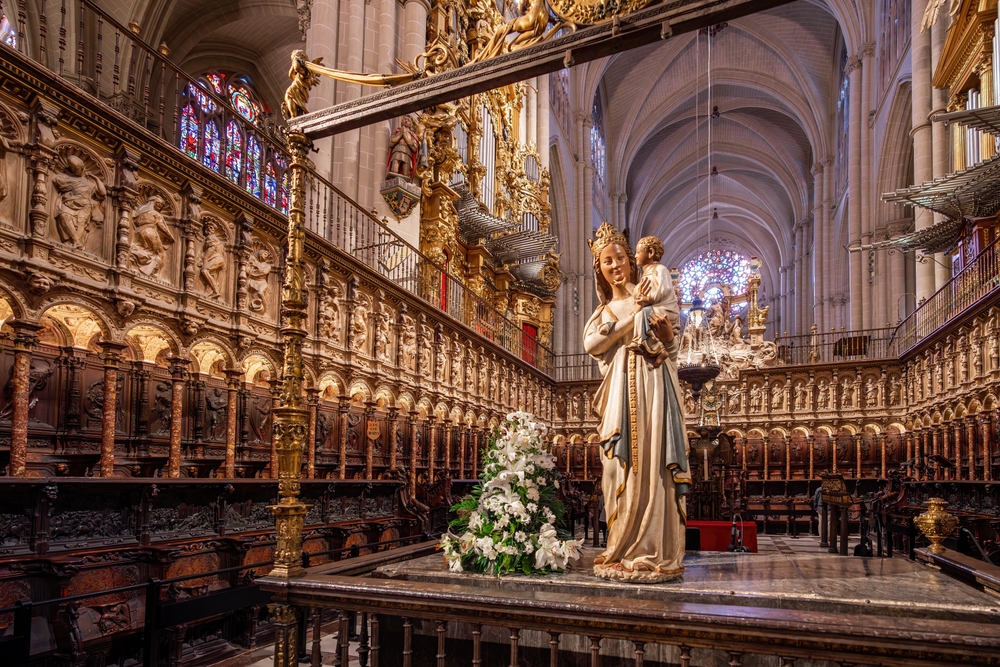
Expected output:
(575, 368)
(109, 61)
(337, 218)
(831, 346)
(975, 283)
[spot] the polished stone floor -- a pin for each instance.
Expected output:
(787, 573)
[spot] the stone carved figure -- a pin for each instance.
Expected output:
(777, 397)
(426, 349)
(384, 332)
(871, 393)
(755, 398)
(329, 313)
(161, 407)
(963, 363)
(408, 342)
(733, 394)
(216, 402)
(151, 237)
(213, 257)
(690, 406)
(404, 147)
(79, 203)
(359, 324)
(800, 396)
(440, 362)
(456, 366)
(4, 183)
(977, 353)
(823, 394)
(895, 390)
(643, 479)
(259, 267)
(847, 393)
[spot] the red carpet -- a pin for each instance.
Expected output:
(717, 535)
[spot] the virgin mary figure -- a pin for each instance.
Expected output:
(642, 432)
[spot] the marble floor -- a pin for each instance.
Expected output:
(787, 573)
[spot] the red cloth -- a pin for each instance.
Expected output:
(717, 535)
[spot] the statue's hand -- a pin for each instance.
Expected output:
(606, 328)
(662, 329)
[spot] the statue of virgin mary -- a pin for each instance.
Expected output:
(642, 432)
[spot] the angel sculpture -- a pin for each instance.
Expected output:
(303, 80)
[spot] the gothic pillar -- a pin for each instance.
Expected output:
(940, 139)
(817, 270)
(867, 56)
(855, 191)
(923, 155)
(25, 338)
(543, 120)
(178, 368)
(312, 401)
(234, 378)
(111, 354)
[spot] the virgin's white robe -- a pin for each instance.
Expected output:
(645, 469)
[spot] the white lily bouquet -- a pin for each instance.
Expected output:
(508, 523)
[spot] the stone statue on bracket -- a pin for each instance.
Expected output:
(213, 257)
(150, 239)
(79, 203)
(404, 147)
(259, 267)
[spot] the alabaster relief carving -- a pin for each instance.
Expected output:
(800, 396)
(259, 267)
(426, 349)
(213, 256)
(79, 204)
(359, 323)
(777, 397)
(847, 393)
(407, 342)
(151, 238)
(330, 317)
(5, 147)
(733, 395)
(755, 398)
(456, 365)
(384, 332)
(871, 393)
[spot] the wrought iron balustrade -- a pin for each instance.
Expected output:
(575, 368)
(831, 346)
(975, 283)
(334, 216)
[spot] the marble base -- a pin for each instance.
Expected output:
(824, 583)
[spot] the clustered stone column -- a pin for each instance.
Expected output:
(111, 354)
(25, 338)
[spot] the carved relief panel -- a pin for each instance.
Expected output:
(79, 199)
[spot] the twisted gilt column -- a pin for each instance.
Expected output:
(291, 419)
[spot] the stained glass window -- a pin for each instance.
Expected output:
(598, 149)
(270, 185)
(212, 146)
(215, 79)
(189, 131)
(7, 33)
(253, 166)
(204, 101)
(284, 193)
(234, 151)
(243, 103)
(706, 275)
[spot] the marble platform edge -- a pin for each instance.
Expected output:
(437, 573)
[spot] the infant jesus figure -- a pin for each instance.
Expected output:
(654, 295)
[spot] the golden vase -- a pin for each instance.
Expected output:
(935, 523)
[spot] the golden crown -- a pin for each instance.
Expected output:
(605, 236)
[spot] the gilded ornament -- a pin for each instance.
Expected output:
(936, 524)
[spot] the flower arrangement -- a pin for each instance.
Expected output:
(508, 523)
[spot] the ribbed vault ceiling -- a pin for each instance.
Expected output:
(773, 75)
